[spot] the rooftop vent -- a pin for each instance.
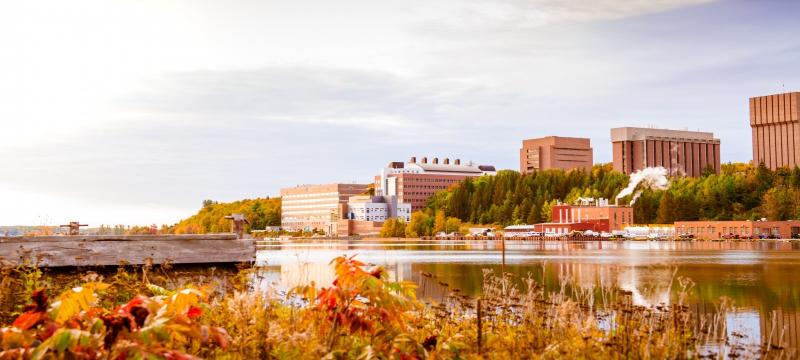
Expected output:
(424, 159)
(413, 159)
(458, 162)
(446, 161)
(435, 160)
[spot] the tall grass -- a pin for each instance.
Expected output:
(364, 315)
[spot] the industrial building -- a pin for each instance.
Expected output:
(681, 152)
(775, 125)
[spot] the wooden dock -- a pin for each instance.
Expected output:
(103, 250)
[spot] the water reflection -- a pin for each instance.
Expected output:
(760, 278)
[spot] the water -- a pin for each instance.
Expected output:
(761, 278)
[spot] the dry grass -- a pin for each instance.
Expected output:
(366, 316)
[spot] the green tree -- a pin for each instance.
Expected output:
(666, 209)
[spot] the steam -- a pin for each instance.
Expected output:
(651, 178)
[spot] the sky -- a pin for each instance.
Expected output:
(133, 112)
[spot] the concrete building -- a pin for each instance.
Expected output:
(415, 182)
(682, 153)
(775, 124)
(309, 207)
(714, 230)
(376, 208)
(555, 152)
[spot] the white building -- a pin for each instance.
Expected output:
(377, 208)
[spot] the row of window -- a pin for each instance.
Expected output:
(730, 230)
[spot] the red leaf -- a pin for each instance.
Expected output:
(28, 320)
(194, 312)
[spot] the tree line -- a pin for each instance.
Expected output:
(739, 192)
(260, 212)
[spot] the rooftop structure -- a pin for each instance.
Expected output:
(414, 182)
(775, 124)
(555, 152)
(681, 152)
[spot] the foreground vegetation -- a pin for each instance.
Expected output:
(360, 315)
(739, 192)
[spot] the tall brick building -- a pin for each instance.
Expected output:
(415, 182)
(681, 152)
(775, 125)
(555, 152)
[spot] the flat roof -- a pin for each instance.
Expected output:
(638, 133)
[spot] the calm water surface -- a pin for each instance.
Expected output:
(761, 278)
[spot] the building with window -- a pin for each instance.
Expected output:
(309, 207)
(587, 214)
(775, 125)
(415, 182)
(376, 208)
(714, 230)
(681, 152)
(555, 152)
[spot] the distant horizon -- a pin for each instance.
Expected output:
(134, 112)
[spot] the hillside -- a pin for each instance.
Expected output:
(741, 191)
(261, 212)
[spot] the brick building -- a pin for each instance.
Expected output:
(714, 230)
(682, 153)
(555, 152)
(415, 182)
(587, 214)
(775, 125)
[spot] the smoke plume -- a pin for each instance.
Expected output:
(654, 178)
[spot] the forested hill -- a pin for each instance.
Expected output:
(260, 212)
(741, 191)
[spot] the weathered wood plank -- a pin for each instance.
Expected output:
(63, 238)
(133, 251)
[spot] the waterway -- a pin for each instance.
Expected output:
(762, 279)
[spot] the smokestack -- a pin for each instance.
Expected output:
(435, 160)
(458, 161)
(424, 159)
(413, 159)
(446, 161)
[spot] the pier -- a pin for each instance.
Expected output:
(104, 250)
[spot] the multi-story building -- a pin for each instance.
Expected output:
(681, 152)
(775, 124)
(376, 208)
(555, 152)
(309, 207)
(365, 214)
(415, 182)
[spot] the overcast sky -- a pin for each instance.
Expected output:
(133, 112)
